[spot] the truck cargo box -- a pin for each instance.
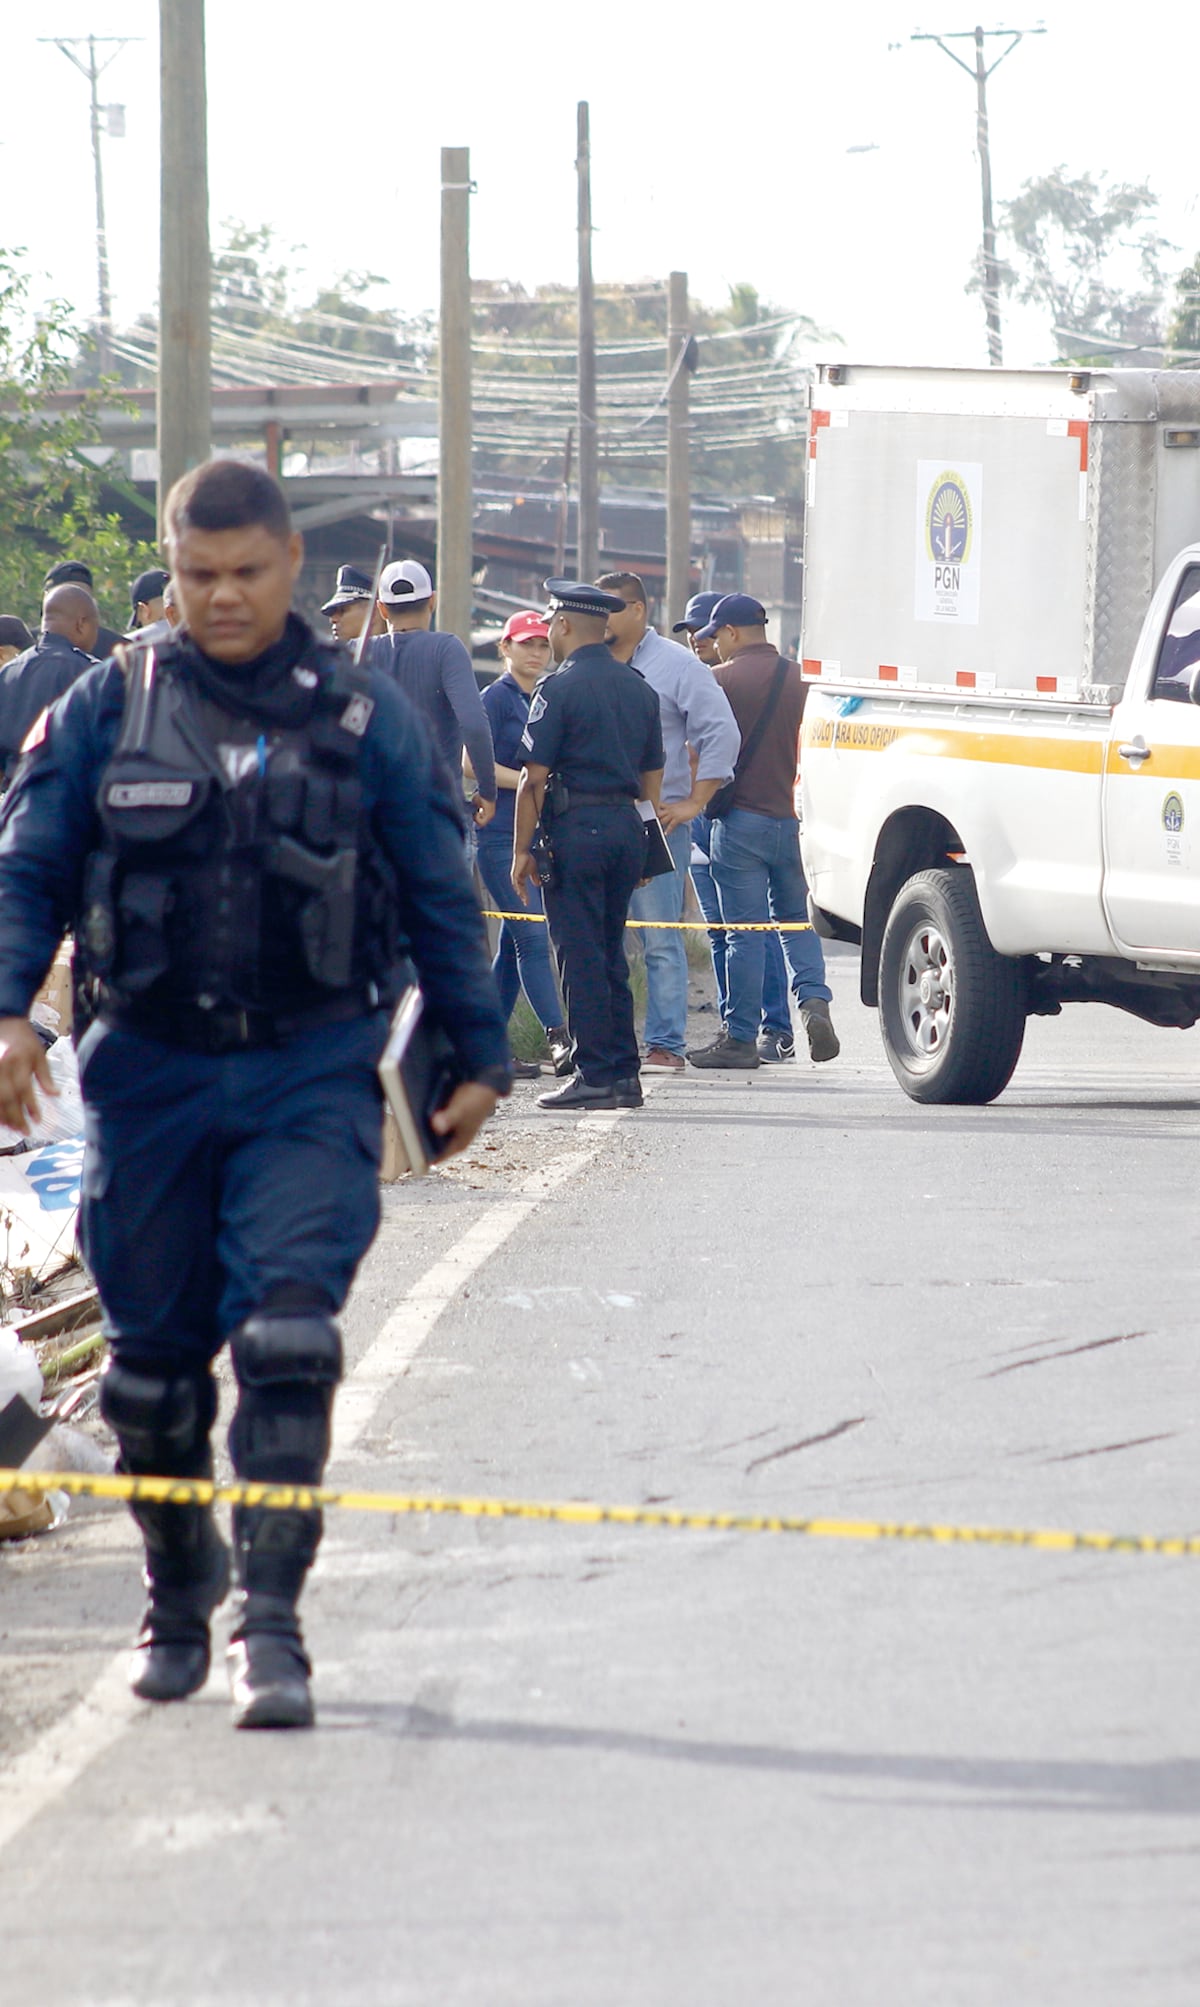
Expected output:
(996, 531)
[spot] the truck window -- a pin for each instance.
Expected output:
(1180, 651)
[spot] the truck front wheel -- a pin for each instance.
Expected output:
(952, 1010)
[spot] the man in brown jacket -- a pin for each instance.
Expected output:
(756, 845)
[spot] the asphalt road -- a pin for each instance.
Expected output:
(558, 1767)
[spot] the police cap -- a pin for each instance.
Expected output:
(570, 595)
(351, 584)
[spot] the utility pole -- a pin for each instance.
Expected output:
(587, 537)
(681, 360)
(981, 70)
(564, 508)
(184, 411)
(113, 117)
(455, 545)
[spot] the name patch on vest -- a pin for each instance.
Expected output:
(150, 794)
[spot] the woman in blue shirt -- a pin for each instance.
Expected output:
(523, 955)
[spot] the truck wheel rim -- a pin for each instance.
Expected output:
(927, 991)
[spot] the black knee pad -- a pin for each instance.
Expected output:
(287, 1363)
(161, 1419)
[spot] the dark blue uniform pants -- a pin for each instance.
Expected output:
(599, 855)
(209, 1182)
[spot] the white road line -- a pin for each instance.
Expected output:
(52, 1764)
(406, 1330)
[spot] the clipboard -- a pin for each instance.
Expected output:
(418, 1073)
(658, 851)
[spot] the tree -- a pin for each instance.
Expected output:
(55, 500)
(1086, 248)
(1183, 328)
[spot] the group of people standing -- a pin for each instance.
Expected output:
(729, 708)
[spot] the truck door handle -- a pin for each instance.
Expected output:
(1135, 752)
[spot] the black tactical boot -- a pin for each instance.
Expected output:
(269, 1668)
(161, 1420)
(287, 1360)
(171, 1651)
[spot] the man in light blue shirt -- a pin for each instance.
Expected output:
(700, 742)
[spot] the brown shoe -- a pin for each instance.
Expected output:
(659, 1060)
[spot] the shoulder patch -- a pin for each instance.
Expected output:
(357, 715)
(36, 735)
(537, 708)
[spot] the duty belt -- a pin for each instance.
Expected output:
(577, 800)
(225, 1028)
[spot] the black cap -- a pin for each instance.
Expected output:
(351, 584)
(14, 633)
(71, 571)
(147, 586)
(570, 595)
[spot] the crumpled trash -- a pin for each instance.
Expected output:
(25, 1512)
(19, 1369)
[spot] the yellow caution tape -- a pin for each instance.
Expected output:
(701, 926)
(304, 1498)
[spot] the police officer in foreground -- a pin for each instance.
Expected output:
(245, 831)
(593, 747)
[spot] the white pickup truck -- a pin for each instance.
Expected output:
(1000, 759)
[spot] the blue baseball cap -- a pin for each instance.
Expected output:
(737, 609)
(697, 611)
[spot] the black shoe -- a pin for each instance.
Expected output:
(562, 1045)
(577, 1094)
(171, 1652)
(773, 1045)
(526, 1069)
(726, 1052)
(269, 1670)
(823, 1041)
(628, 1093)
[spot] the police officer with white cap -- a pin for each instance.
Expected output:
(593, 748)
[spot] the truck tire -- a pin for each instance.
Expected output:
(951, 1009)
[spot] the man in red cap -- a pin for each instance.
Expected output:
(523, 955)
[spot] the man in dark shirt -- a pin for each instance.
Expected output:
(434, 671)
(593, 748)
(73, 571)
(33, 681)
(756, 845)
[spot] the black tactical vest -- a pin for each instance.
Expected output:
(237, 869)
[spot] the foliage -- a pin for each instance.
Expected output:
(1086, 248)
(1183, 328)
(54, 501)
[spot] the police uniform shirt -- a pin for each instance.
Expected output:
(49, 826)
(507, 707)
(596, 724)
(31, 682)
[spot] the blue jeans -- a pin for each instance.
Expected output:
(759, 876)
(775, 1013)
(523, 954)
(666, 956)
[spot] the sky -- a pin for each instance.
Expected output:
(724, 155)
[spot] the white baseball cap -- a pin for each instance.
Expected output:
(406, 580)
